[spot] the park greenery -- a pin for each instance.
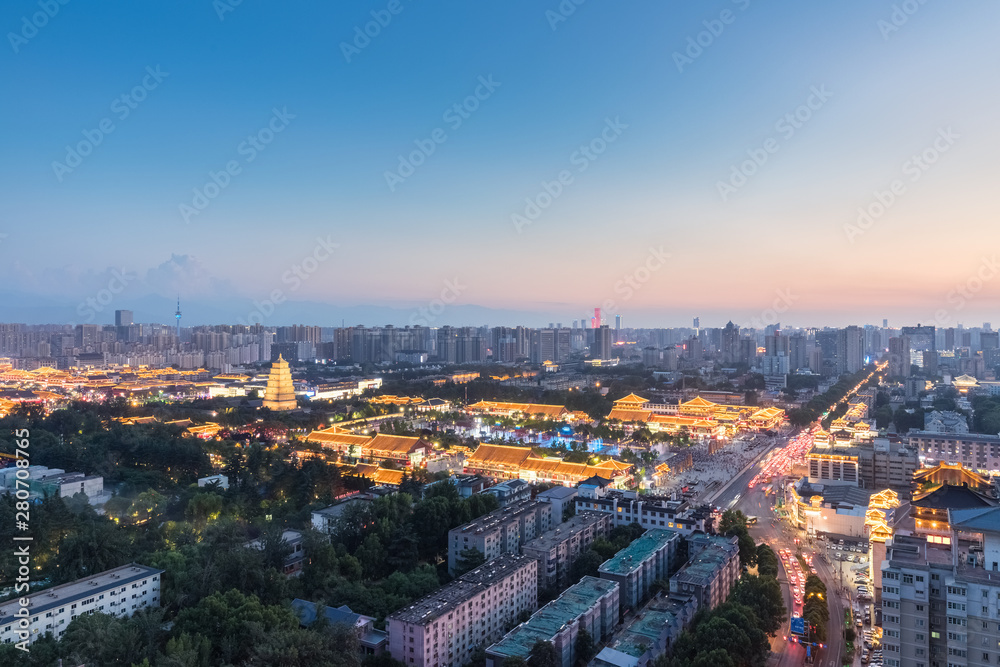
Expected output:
(223, 600)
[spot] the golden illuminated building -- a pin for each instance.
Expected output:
(280, 392)
(698, 416)
(527, 409)
(406, 450)
(507, 462)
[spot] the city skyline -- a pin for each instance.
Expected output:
(737, 144)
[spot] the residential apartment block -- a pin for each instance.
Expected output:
(557, 549)
(941, 603)
(119, 592)
(649, 557)
(591, 604)
(443, 629)
(973, 451)
(649, 511)
(712, 570)
(502, 531)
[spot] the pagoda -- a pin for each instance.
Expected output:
(280, 392)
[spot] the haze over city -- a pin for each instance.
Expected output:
(685, 117)
(525, 333)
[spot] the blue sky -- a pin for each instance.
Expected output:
(791, 227)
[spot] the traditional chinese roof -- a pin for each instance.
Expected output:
(551, 411)
(698, 402)
(951, 497)
(632, 399)
(397, 445)
(336, 435)
(627, 415)
(498, 455)
(379, 475)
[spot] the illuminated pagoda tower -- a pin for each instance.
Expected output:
(280, 392)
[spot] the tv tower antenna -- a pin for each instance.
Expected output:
(178, 316)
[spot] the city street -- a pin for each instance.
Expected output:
(779, 535)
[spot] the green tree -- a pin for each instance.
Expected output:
(232, 622)
(186, 651)
(543, 654)
(585, 564)
(734, 522)
(584, 647)
(514, 661)
(767, 561)
(763, 596)
(468, 559)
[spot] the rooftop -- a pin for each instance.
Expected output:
(66, 593)
(948, 496)
(708, 561)
(976, 519)
(565, 531)
(557, 493)
(452, 595)
(912, 551)
(550, 619)
(306, 611)
(646, 629)
(631, 557)
(500, 516)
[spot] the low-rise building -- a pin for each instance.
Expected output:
(713, 568)
(591, 604)
(561, 499)
(502, 531)
(650, 634)
(649, 511)
(649, 557)
(118, 592)
(221, 481)
(557, 549)
(325, 520)
(370, 640)
(974, 451)
(445, 628)
(511, 491)
(295, 543)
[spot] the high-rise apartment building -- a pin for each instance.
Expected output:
(602, 343)
(118, 592)
(899, 357)
(445, 628)
(941, 602)
(850, 350)
(123, 318)
(730, 343)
